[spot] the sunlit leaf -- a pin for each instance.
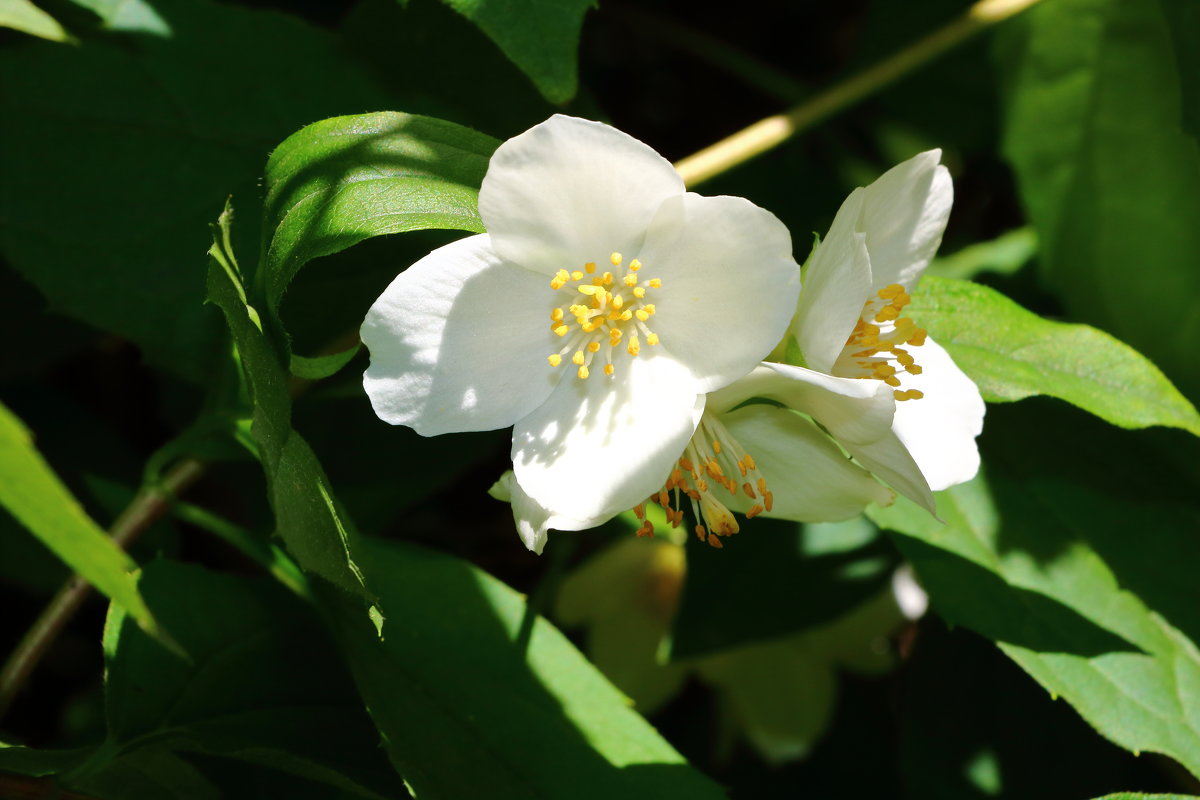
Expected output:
(1012, 354)
(1095, 94)
(32, 493)
(529, 717)
(22, 15)
(1077, 555)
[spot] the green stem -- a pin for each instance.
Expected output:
(147, 506)
(266, 554)
(774, 130)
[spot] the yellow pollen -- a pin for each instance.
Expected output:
(754, 511)
(652, 339)
(683, 462)
(634, 348)
(593, 347)
(577, 359)
(630, 280)
(561, 330)
(609, 369)
(590, 290)
(891, 291)
(716, 445)
(617, 301)
(577, 275)
(626, 315)
(650, 309)
(639, 292)
(556, 315)
(635, 265)
(749, 490)
(715, 542)
(769, 500)
(608, 278)
(589, 267)
(615, 259)
(911, 394)
(554, 360)
(582, 373)
(655, 283)
(749, 461)
(642, 314)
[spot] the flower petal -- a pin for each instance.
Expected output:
(599, 446)
(890, 461)
(443, 359)
(852, 410)
(569, 190)
(532, 520)
(837, 282)
(940, 428)
(811, 479)
(904, 214)
(729, 283)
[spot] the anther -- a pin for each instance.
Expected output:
(582, 373)
(554, 360)
(655, 283)
(615, 259)
(652, 339)
(635, 265)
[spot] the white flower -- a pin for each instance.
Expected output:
(595, 255)
(850, 324)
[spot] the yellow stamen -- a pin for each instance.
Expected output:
(554, 360)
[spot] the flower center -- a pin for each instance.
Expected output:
(605, 312)
(874, 347)
(705, 466)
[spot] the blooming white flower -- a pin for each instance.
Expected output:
(594, 255)
(850, 324)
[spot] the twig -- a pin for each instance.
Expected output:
(774, 130)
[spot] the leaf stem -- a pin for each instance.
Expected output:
(147, 506)
(774, 130)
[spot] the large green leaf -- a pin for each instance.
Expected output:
(340, 181)
(135, 16)
(117, 153)
(1077, 555)
(1012, 354)
(33, 494)
(469, 708)
(262, 684)
(540, 38)
(1109, 175)
(306, 515)
(775, 579)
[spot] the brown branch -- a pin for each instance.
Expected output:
(150, 503)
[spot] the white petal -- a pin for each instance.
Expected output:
(836, 284)
(532, 520)
(854, 411)
(459, 342)
(940, 428)
(600, 446)
(569, 190)
(904, 214)
(891, 462)
(811, 479)
(729, 283)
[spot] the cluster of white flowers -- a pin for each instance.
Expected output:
(633, 335)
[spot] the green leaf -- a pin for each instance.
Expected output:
(339, 181)
(319, 367)
(1004, 255)
(24, 16)
(1077, 555)
(1139, 796)
(1095, 108)
(525, 721)
(262, 686)
(306, 516)
(1012, 354)
(542, 39)
(33, 494)
(129, 16)
(127, 122)
(779, 578)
